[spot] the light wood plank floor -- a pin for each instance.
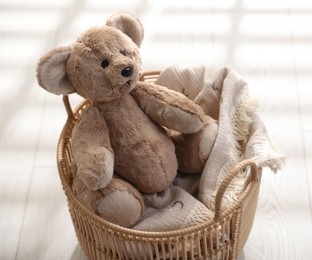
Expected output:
(268, 42)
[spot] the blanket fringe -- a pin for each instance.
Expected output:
(241, 118)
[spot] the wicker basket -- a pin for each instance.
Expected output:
(221, 238)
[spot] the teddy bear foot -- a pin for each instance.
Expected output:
(193, 149)
(120, 203)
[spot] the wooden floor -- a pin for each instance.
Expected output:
(268, 42)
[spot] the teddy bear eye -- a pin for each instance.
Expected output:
(104, 63)
(123, 53)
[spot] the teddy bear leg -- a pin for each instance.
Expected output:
(193, 150)
(119, 202)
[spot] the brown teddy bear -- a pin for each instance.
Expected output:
(125, 128)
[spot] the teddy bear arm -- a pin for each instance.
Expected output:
(92, 151)
(170, 108)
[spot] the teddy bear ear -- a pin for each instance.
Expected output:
(128, 24)
(51, 71)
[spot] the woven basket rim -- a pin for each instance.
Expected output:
(128, 232)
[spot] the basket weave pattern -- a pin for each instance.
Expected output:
(220, 238)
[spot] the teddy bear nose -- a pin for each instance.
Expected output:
(127, 72)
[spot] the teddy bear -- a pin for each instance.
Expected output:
(122, 143)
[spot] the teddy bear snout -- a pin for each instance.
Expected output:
(127, 72)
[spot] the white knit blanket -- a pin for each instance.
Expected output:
(223, 94)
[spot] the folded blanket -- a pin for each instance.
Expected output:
(172, 209)
(223, 95)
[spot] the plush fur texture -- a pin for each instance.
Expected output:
(128, 24)
(144, 154)
(193, 149)
(51, 73)
(92, 149)
(125, 202)
(124, 129)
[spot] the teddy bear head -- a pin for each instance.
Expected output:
(102, 65)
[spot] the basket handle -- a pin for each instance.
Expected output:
(227, 180)
(69, 111)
